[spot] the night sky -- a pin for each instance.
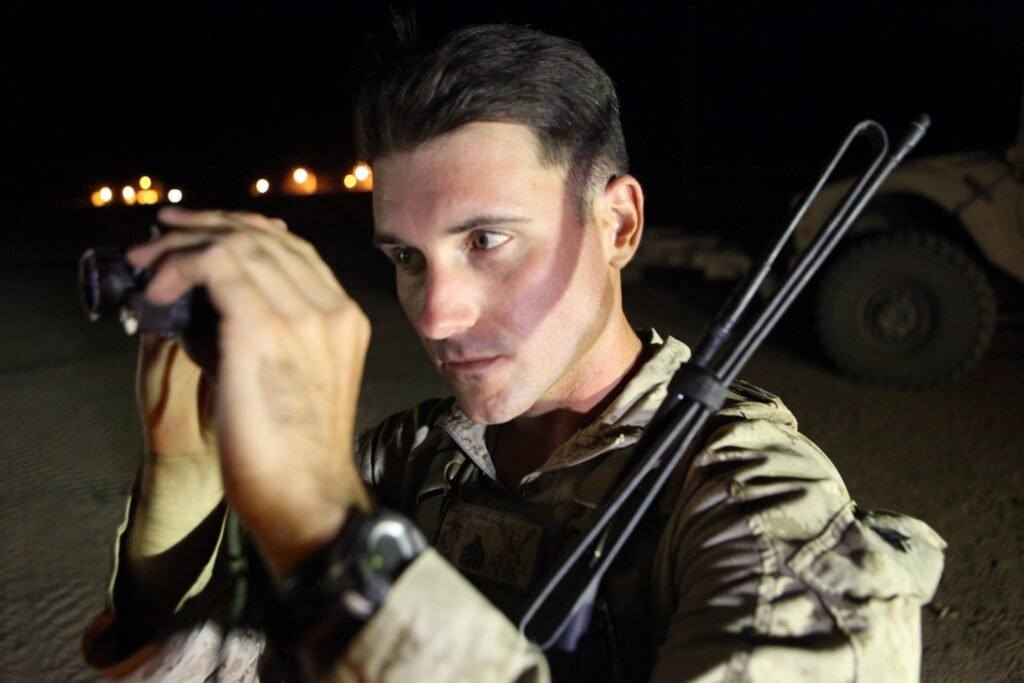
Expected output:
(728, 106)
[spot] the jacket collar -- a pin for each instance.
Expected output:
(619, 426)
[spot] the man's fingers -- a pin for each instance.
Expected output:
(177, 274)
(288, 285)
(187, 219)
(145, 255)
(272, 273)
(284, 270)
(176, 217)
(308, 274)
(199, 227)
(259, 220)
(218, 269)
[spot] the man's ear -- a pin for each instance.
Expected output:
(620, 213)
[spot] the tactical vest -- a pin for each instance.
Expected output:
(441, 493)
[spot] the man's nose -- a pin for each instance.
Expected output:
(448, 304)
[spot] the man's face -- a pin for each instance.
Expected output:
(509, 291)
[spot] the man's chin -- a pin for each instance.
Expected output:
(487, 410)
(485, 416)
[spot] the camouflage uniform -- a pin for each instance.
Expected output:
(755, 565)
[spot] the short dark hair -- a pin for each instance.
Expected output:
(499, 73)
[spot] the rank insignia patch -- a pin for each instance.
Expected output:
(490, 544)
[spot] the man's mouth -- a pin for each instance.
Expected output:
(468, 366)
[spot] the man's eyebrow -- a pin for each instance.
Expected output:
(384, 238)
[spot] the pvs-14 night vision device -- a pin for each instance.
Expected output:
(112, 288)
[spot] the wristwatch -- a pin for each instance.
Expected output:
(330, 596)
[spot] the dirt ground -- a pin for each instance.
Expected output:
(69, 444)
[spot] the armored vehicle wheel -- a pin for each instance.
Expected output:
(905, 309)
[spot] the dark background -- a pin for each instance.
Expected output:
(729, 107)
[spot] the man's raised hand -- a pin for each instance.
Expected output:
(292, 346)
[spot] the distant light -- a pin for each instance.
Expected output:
(174, 195)
(262, 185)
(362, 172)
(350, 181)
(308, 183)
(149, 196)
(106, 194)
(128, 192)
(97, 198)
(145, 182)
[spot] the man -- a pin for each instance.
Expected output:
(503, 198)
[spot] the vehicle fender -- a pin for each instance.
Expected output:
(979, 191)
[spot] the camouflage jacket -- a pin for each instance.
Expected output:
(754, 565)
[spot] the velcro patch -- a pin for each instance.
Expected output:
(490, 544)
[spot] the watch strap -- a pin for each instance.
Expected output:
(327, 598)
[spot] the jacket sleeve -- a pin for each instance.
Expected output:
(774, 574)
(434, 625)
(113, 644)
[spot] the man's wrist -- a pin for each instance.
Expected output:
(297, 548)
(172, 496)
(288, 538)
(325, 600)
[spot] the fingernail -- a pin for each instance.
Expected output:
(132, 255)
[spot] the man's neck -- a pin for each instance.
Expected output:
(524, 444)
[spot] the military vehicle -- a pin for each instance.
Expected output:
(908, 300)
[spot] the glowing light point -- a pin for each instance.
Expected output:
(350, 181)
(106, 194)
(145, 182)
(149, 196)
(262, 185)
(361, 172)
(128, 193)
(300, 175)
(174, 195)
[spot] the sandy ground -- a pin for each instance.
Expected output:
(70, 445)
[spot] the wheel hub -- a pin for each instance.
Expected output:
(896, 318)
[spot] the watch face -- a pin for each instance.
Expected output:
(333, 593)
(392, 542)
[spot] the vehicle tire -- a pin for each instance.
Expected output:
(905, 309)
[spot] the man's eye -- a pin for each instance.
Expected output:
(488, 240)
(405, 258)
